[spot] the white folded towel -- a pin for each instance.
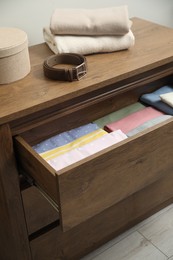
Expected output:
(105, 21)
(87, 44)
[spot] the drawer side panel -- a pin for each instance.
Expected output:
(36, 167)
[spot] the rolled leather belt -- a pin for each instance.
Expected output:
(75, 73)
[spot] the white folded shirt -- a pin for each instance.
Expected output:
(87, 44)
(86, 150)
(167, 98)
(104, 21)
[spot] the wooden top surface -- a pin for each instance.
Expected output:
(153, 47)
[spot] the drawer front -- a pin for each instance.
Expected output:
(92, 185)
(104, 180)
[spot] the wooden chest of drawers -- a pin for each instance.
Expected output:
(104, 194)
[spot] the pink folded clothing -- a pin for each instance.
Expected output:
(134, 120)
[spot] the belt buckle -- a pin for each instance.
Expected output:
(81, 74)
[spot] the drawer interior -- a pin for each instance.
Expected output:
(92, 185)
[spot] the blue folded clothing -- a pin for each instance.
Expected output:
(64, 138)
(153, 99)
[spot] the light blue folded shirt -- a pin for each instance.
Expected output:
(153, 99)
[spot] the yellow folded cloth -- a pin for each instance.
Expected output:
(51, 154)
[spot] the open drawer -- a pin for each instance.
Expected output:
(94, 184)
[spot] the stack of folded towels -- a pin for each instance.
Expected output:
(86, 31)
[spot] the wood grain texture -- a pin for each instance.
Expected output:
(38, 211)
(35, 93)
(103, 195)
(79, 111)
(95, 184)
(103, 227)
(89, 180)
(36, 167)
(13, 231)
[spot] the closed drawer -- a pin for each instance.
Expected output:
(96, 183)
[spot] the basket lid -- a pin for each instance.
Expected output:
(12, 41)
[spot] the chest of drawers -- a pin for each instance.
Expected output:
(104, 194)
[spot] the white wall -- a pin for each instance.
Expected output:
(32, 15)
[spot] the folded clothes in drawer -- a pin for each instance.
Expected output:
(153, 99)
(81, 189)
(167, 98)
(81, 148)
(148, 124)
(83, 140)
(114, 116)
(133, 120)
(64, 138)
(76, 144)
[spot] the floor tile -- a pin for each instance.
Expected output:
(132, 247)
(153, 217)
(125, 234)
(160, 232)
(108, 245)
(155, 222)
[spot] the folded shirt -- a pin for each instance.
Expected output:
(118, 135)
(114, 116)
(153, 99)
(74, 144)
(132, 121)
(86, 150)
(102, 142)
(104, 21)
(167, 98)
(66, 159)
(148, 124)
(87, 44)
(64, 138)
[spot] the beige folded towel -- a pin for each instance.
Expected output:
(167, 98)
(87, 44)
(105, 21)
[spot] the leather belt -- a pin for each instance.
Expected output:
(75, 73)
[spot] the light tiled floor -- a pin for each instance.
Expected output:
(152, 239)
